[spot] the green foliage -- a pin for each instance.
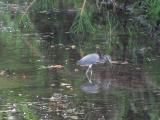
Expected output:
(44, 5)
(111, 31)
(82, 23)
(28, 113)
(75, 3)
(25, 23)
(151, 9)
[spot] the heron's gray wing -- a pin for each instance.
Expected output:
(89, 59)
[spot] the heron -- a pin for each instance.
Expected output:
(91, 59)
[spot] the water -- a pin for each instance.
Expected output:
(39, 79)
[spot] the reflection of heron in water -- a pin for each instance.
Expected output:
(91, 59)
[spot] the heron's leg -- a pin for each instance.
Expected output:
(90, 78)
(87, 73)
(91, 73)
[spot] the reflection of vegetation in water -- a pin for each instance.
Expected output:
(123, 107)
(16, 104)
(28, 113)
(19, 50)
(154, 111)
(107, 106)
(152, 66)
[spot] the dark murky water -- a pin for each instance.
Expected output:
(39, 80)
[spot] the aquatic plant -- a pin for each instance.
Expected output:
(82, 22)
(110, 29)
(43, 5)
(28, 113)
(151, 9)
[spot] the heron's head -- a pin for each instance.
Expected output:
(107, 58)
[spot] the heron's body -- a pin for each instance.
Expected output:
(91, 59)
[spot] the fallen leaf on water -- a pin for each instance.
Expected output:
(76, 70)
(125, 62)
(52, 85)
(52, 46)
(115, 62)
(68, 86)
(56, 66)
(2, 72)
(67, 48)
(65, 84)
(138, 68)
(74, 117)
(52, 98)
(19, 94)
(119, 62)
(71, 110)
(42, 67)
(71, 88)
(73, 46)
(24, 76)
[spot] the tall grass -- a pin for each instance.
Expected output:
(82, 22)
(151, 9)
(44, 4)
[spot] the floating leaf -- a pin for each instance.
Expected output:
(65, 84)
(56, 66)
(74, 117)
